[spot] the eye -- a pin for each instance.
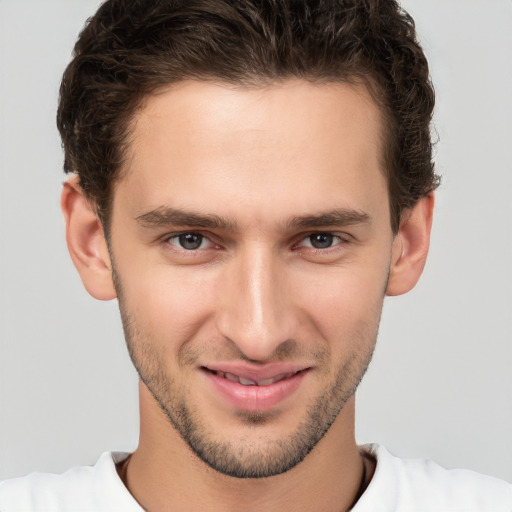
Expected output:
(190, 241)
(320, 241)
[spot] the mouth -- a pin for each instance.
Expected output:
(247, 388)
(252, 382)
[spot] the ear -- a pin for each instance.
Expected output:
(410, 247)
(86, 242)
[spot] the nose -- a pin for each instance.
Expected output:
(255, 309)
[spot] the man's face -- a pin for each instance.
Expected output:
(251, 243)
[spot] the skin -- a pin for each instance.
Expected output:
(271, 163)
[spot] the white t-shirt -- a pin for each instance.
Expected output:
(398, 485)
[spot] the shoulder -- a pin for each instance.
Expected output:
(83, 488)
(421, 485)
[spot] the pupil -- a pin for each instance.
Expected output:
(190, 241)
(321, 240)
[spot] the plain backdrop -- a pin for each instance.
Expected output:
(440, 385)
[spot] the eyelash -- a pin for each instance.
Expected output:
(190, 234)
(339, 239)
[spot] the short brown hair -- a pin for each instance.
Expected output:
(131, 48)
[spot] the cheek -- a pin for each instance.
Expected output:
(169, 303)
(346, 304)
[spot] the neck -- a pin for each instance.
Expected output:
(164, 474)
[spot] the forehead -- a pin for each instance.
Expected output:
(206, 145)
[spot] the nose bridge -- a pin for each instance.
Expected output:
(255, 313)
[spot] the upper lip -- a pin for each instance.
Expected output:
(256, 373)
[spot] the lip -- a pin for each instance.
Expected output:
(255, 398)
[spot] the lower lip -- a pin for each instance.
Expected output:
(255, 398)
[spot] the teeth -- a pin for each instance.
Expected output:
(248, 382)
(266, 382)
(231, 377)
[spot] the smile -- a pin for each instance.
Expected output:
(250, 382)
(255, 389)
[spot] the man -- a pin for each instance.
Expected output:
(250, 179)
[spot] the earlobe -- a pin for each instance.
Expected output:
(86, 242)
(410, 247)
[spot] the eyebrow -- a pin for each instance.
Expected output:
(338, 217)
(165, 216)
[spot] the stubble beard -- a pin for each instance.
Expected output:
(245, 458)
(242, 459)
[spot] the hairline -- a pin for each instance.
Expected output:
(261, 82)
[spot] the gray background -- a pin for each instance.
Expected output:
(440, 384)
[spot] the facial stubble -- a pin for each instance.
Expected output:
(245, 458)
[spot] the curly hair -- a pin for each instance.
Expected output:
(131, 48)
